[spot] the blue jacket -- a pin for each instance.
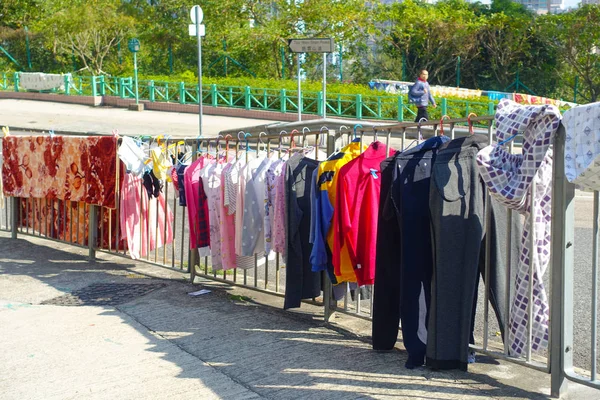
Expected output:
(418, 96)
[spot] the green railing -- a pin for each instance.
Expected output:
(359, 106)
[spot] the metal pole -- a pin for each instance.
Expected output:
(341, 68)
(135, 74)
(594, 286)
(92, 231)
(299, 92)
(14, 216)
(199, 71)
(282, 51)
(561, 307)
(324, 85)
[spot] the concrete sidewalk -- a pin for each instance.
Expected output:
(231, 343)
(79, 118)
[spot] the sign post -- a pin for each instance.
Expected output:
(316, 45)
(198, 30)
(134, 47)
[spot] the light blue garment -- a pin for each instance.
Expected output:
(421, 93)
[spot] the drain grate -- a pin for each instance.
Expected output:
(104, 294)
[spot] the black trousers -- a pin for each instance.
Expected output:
(422, 113)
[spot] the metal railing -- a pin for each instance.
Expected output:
(358, 106)
(60, 217)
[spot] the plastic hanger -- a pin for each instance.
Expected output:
(420, 136)
(471, 130)
(356, 139)
(442, 124)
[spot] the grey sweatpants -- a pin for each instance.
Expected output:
(457, 206)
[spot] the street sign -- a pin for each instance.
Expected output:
(192, 29)
(323, 45)
(193, 14)
(134, 45)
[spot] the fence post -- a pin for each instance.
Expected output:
(444, 106)
(92, 232)
(247, 98)
(320, 103)
(182, 93)
(14, 217)
(283, 101)
(561, 306)
(358, 106)
(491, 108)
(328, 288)
(121, 88)
(94, 88)
(16, 81)
(400, 108)
(214, 100)
(67, 86)
(151, 93)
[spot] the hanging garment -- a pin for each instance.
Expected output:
(356, 214)
(132, 156)
(324, 200)
(406, 286)
(227, 230)
(196, 205)
(301, 282)
(180, 168)
(458, 231)
(509, 178)
(273, 173)
(211, 182)
(582, 146)
(75, 168)
(279, 221)
(1, 191)
(152, 184)
(160, 221)
(130, 215)
(160, 163)
(253, 241)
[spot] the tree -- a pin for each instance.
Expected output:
(87, 29)
(576, 38)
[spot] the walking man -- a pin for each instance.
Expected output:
(420, 94)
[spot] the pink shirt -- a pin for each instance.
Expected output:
(196, 204)
(356, 211)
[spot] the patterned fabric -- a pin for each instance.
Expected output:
(509, 178)
(61, 167)
(273, 173)
(196, 205)
(211, 181)
(278, 227)
(254, 208)
(582, 147)
(227, 230)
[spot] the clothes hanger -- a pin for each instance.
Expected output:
(442, 124)
(6, 131)
(355, 138)
(509, 139)
(280, 137)
(227, 137)
(471, 130)
(420, 136)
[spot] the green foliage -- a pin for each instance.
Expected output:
(244, 37)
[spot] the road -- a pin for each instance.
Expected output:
(43, 115)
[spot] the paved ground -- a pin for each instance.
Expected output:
(230, 343)
(79, 118)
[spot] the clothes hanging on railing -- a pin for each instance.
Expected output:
(356, 214)
(458, 221)
(274, 172)
(301, 281)
(75, 168)
(582, 146)
(404, 265)
(324, 201)
(197, 206)
(509, 178)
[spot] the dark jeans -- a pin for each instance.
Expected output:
(458, 208)
(422, 113)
